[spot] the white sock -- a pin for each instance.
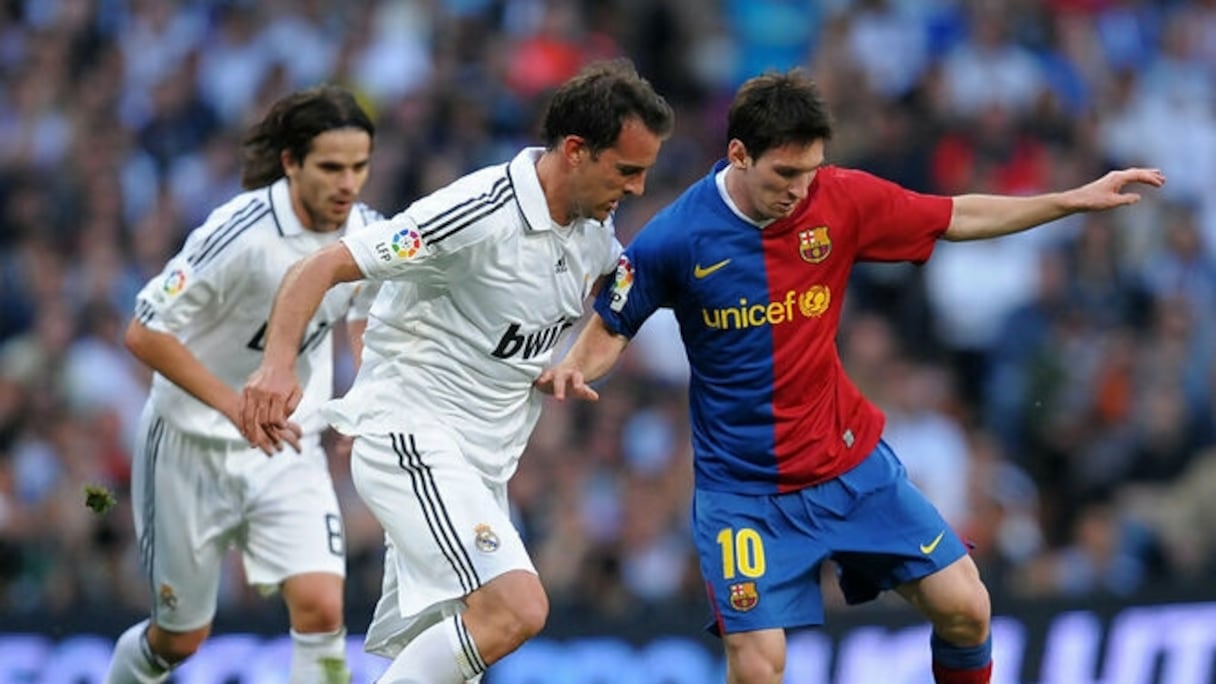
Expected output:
(133, 661)
(319, 658)
(442, 654)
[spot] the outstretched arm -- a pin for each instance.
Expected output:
(272, 391)
(593, 354)
(978, 217)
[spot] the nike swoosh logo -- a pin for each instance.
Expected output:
(698, 272)
(928, 548)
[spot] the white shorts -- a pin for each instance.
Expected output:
(194, 498)
(448, 530)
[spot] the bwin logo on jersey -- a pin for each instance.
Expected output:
(530, 344)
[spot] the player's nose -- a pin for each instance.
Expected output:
(348, 181)
(636, 185)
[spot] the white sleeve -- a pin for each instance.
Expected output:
(394, 249)
(365, 290)
(173, 298)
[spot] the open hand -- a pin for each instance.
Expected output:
(559, 381)
(1107, 191)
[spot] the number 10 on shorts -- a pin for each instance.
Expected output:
(742, 552)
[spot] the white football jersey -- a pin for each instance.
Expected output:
(215, 297)
(478, 286)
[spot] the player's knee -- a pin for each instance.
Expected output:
(752, 666)
(523, 613)
(316, 614)
(530, 611)
(314, 602)
(755, 657)
(969, 619)
(507, 612)
(174, 647)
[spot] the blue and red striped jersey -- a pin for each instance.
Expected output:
(758, 308)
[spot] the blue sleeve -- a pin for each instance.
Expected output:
(642, 282)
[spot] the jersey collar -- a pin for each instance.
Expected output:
(521, 173)
(285, 218)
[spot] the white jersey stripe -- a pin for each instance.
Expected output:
(460, 213)
(484, 198)
(442, 536)
(466, 644)
(467, 218)
(147, 545)
(274, 214)
(144, 312)
(442, 530)
(239, 217)
(231, 233)
(484, 212)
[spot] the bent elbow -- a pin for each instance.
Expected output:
(136, 338)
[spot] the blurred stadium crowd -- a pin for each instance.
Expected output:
(1053, 392)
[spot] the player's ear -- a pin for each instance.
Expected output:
(574, 148)
(736, 154)
(289, 162)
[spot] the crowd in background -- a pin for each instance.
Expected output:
(1053, 392)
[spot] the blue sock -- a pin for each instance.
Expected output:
(955, 657)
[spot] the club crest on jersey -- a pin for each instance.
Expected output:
(485, 539)
(743, 596)
(814, 244)
(622, 283)
(167, 597)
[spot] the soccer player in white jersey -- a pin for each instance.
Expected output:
(480, 279)
(197, 486)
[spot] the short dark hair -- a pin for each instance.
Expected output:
(291, 124)
(594, 104)
(773, 109)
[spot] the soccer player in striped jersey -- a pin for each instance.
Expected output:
(480, 280)
(790, 466)
(197, 487)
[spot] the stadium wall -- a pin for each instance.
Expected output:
(1159, 639)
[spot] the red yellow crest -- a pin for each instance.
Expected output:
(814, 244)
(743, 596)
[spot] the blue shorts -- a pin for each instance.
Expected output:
(761, 555)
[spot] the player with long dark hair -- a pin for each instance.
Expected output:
(198, 488)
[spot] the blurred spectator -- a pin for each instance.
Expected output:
(990, 68)
(1106, 556)
(890, 40)
(930, 441)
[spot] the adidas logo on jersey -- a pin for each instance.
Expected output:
(561, 266)
(529, 344)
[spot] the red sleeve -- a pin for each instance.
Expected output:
(894, 223)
